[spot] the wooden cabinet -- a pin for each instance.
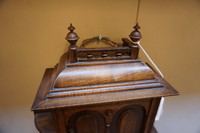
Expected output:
(99, 90)
(123, 117)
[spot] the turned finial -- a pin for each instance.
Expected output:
(72, 37)
(135, 35)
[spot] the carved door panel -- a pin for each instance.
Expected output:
(86, 122)
(129, 120)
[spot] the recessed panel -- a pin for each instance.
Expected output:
(129, 120)
(86, 122)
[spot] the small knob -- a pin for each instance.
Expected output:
(72, 37)
(104, 54)
(118, 54)
(89, 55)
(135, 35)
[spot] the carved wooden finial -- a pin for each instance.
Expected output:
(72, 37)
(135, 35)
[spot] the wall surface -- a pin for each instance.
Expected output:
(32, 39)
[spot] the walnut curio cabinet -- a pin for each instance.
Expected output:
(100, 90)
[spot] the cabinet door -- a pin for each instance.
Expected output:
(129, 120)
(86, 122)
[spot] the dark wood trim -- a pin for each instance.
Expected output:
(134, 48)
(108, 49)
(152, 114)
(44, 88)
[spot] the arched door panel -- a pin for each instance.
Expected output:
(86, 122)
(129, 120)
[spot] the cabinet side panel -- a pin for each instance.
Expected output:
(45, 123)
(151, 115)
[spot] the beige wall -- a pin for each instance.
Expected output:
(32, 38)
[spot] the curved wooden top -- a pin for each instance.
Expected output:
(48, 98)
(109, 78)
(103, 74)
